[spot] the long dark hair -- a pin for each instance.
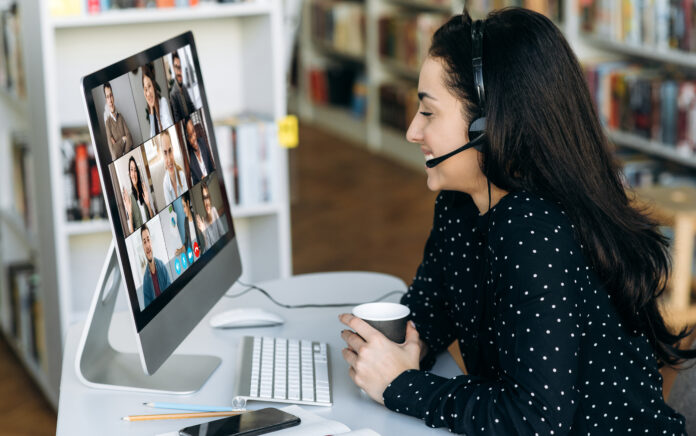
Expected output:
(137, 193)
(544, 136)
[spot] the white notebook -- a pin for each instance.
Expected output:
(311, 425)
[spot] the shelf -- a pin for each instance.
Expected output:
(423, 4)
(76, 228)
(16, 223)
(397, 67)
(153, 15)
(327, 49)
(671, 56)
(654, 148)
(255, 210)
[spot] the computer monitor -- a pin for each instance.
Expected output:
(173, 234)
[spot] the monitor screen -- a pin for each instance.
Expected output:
(160, 171)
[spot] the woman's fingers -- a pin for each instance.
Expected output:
(354, 341)
(359, 326)
(349, 356)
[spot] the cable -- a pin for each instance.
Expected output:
(303, 306)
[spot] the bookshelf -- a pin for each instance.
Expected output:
(241, 51)
(369, 130)
(628, 34)
(363, 129)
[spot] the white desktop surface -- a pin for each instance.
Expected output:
(86, 411)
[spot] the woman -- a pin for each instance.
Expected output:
(137, 201)
(174, 182)
(537, 265)
(158, 112)
(192, 234)
(211, 226)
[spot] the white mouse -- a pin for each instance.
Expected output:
(246, 317)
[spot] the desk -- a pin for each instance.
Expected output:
(85, 411)
(676, 207)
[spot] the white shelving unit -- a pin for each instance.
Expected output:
(368, 131)
(241, 51)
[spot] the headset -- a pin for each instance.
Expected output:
(477, 127)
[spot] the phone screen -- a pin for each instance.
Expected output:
(251, 423)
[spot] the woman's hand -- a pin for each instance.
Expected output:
(199, 223)
(126, 200)
(374, 360)
(146, 197)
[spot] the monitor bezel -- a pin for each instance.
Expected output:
(143, 318)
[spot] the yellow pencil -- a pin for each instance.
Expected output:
(179, 416)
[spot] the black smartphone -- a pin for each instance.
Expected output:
(246, 424)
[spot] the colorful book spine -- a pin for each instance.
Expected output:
(93, 6)
(649, 103)
(248, 149)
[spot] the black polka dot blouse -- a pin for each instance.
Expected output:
(544, 347)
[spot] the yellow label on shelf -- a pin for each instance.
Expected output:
(287, 132)
(62, 8)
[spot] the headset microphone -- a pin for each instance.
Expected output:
(477, 127)
(476, 143)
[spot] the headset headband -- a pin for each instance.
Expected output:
(477, 61)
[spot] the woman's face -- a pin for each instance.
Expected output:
(440, 127)
(133, 173)
(149, 91)
(206, 200)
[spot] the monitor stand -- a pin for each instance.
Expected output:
(98, 365)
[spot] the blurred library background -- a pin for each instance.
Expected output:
(350, 71)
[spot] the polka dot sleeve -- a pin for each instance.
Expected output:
(529, 385)
(426, 296)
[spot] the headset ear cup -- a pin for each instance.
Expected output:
(477, 132)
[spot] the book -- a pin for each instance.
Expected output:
(312, 424)
(339, 26)
(82, 191)
(654, 104)
(21, 177)
(664, 24)
(248, 149)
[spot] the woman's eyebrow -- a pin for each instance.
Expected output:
(422, 95)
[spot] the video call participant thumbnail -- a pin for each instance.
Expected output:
(174, 182)
(117, 133)
(158, 113)
(192, 236)
(200, 159)
(182, 106)
(156, 277)
(138, 203)
(208, 219)
(118, 122)
(181, 236)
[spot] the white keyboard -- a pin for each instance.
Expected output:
(286, 370)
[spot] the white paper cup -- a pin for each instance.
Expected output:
(388, 318)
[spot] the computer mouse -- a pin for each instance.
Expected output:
(245, 317)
